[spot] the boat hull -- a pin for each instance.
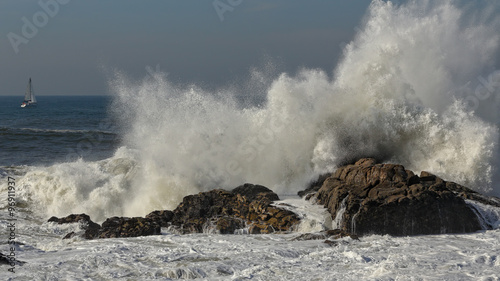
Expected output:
(28, 104)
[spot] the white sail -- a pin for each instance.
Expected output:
(27, 95)
(33, 99)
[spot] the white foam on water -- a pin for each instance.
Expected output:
(260, 257)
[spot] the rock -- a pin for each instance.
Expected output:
(330, 234)
(252, 191)
(220, 210)
(113, 227)
(310, 236)
(83, 219)
(5, 259)
(389, 199)
(116, 227)
(228, 225)
(163, 218)
(70, 235)
(331, 243)
(339, 233)
(196, 210)
(91, 228)
(247, 205)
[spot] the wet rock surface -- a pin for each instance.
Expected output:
(245, 207)
(83, 219)
(126, 227)
(382, 199)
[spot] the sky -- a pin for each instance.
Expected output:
(68, 47)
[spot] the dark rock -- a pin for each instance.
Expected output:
(91, 228)
(388, 199)
(163, 218)
(195, 210)
(252, 191)
(339, 233)
(310, 236)
(330, 234)
(331, 243)
(83, 219)
(261, 228)
(113, 227)
(116, 227)
(69, 235)
(5, 259)
(247, 205)
(228, 225)
(224, 211)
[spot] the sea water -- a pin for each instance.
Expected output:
(416, 86)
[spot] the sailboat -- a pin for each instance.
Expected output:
(29, 96)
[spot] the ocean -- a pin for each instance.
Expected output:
(61, 129)
(416, 86)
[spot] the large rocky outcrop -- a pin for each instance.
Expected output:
(370, 198)
(247, 206)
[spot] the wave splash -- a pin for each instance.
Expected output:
(397, 95)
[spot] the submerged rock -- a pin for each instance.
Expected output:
(327, 234)
(10, 260)
(4, 259)
(369, 198)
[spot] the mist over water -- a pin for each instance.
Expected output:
(405, 91)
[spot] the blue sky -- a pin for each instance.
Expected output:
(190, 40)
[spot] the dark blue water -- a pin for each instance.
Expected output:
(58, 129)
